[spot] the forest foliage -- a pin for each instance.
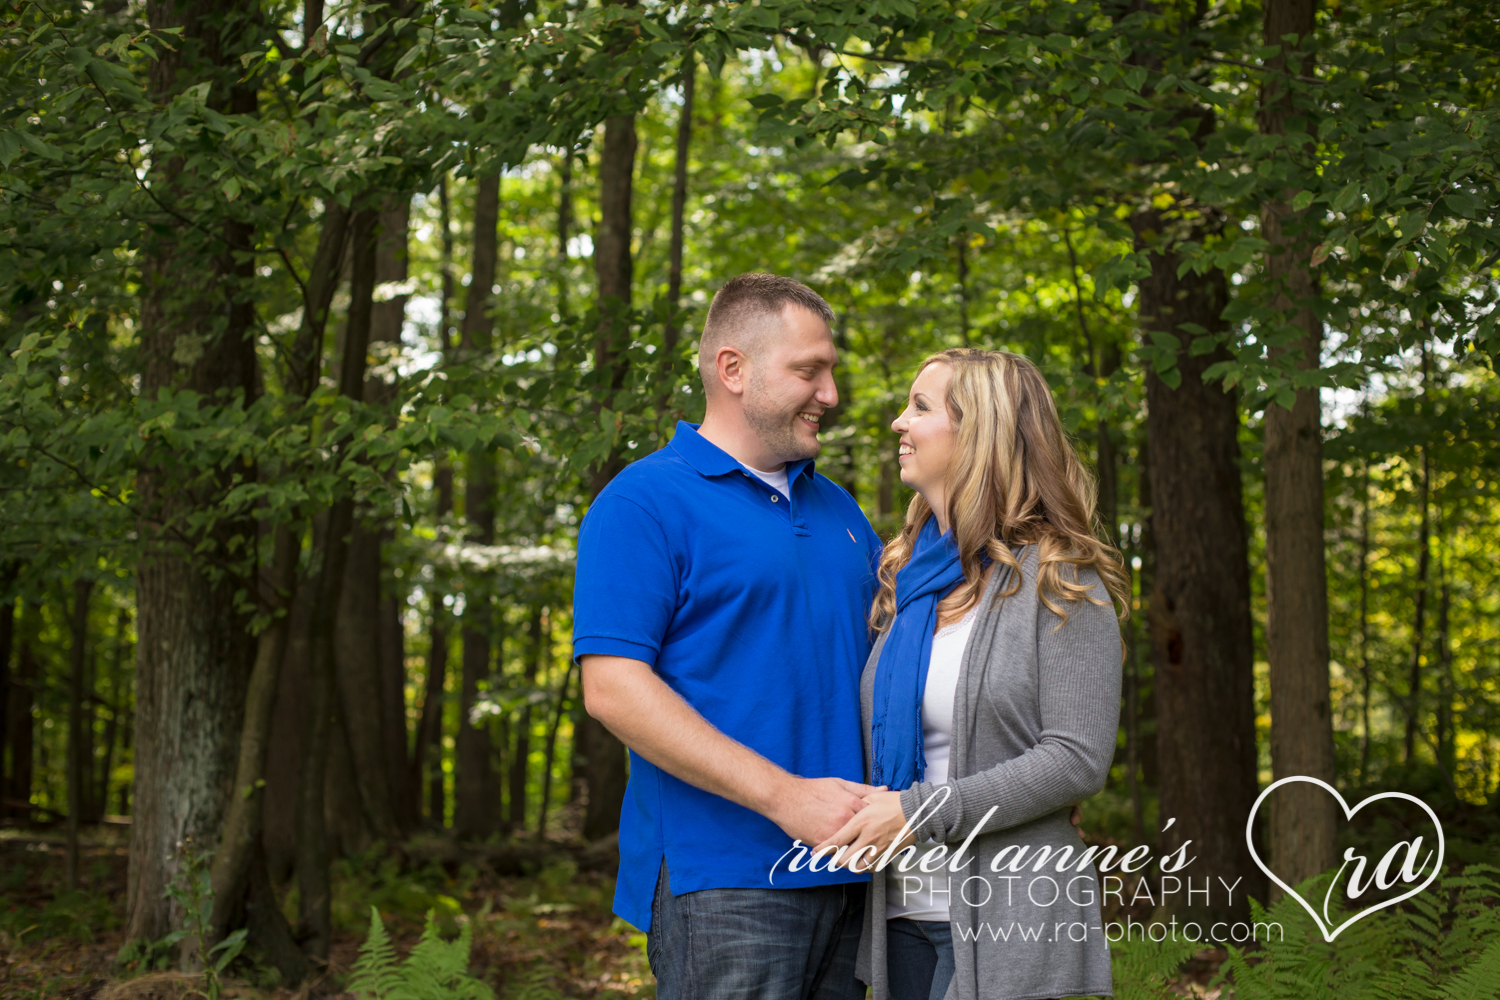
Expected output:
(319, 322)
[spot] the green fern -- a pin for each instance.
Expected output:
(435, 969)
(1443, 945)
(1141, 968)
(1479, 981)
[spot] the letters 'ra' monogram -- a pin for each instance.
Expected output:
(1387, 873)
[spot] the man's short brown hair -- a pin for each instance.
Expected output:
(741, 309)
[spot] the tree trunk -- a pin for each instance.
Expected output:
(361, 694)
(1364, 624)
(192, 657)
(1200, 600)
(601, 754)
(539, 628)
(240, 841)
(550, 754)
(1304, 818)
(77, 660)
(476, 812)
(7, 640)
(429, 751)
(1447, 751)
(1424, 570)
(312, 854)
(679, 205)
(100, 805)
(20, 726)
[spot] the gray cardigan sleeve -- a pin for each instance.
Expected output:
(1078, 700)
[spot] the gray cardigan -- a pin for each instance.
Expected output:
(1035, 717)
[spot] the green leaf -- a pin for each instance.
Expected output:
(1303, 199)
(38, 146)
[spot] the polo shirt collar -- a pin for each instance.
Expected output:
(711, 460)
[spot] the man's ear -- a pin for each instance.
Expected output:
(732, 367)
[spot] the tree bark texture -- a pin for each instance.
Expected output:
(19, 726)
(312, 848)
(193, 658)
(77, 664)
(361, 695)
(679, 205)
(476, 786)
(7, 642)
(1200, 601)
(239, 843)
(1303, 817)
(537, 629)
(601, 754)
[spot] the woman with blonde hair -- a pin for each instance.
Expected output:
(990, 700)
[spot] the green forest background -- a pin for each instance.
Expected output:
(323, 324)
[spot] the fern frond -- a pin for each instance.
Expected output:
(375, 976)
(1479, 981)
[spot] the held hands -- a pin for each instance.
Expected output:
(813, 809)
(877, 825)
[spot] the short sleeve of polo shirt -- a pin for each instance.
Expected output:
(625, 590)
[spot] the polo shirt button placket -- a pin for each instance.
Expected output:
(774, 498)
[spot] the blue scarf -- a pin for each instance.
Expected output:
(901, 675)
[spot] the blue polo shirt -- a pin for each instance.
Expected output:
(752, 608)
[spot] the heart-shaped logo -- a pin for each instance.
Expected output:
(1407, 874)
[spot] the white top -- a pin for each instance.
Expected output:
(910, 894)
(776, 480)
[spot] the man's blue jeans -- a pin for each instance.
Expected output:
(756, 944)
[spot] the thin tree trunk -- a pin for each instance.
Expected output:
(116, 710)
(242, 824)
(1200, 597)
(476, 812)
(430, 731)
(77, 660)
(564, 229)
(679, 205)
(551, 751)
(1447, 753)
(1364, 624)
(602, 755)
(539, 628)
(19, 728)
(1304, 818)
(429, 749)
(312, 854)
(1424, 560)
(963, 286)
(7, 640)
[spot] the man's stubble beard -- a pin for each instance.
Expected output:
(776, 429)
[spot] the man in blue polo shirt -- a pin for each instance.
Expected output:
(719, 617)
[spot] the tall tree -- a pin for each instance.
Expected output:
(602, 755)
(476, 789)
(1200, 586)
(373, 732)
(1303, 817)
(77, 770)
(312, 849)
(192, 659)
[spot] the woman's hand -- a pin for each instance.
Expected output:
(875, 826)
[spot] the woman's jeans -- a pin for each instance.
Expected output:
(919, 958)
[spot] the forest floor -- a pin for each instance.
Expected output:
(545, 935)
(536, 937)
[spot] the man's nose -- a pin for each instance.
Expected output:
(828, 392)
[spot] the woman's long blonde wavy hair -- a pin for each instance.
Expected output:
(1014, 480)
